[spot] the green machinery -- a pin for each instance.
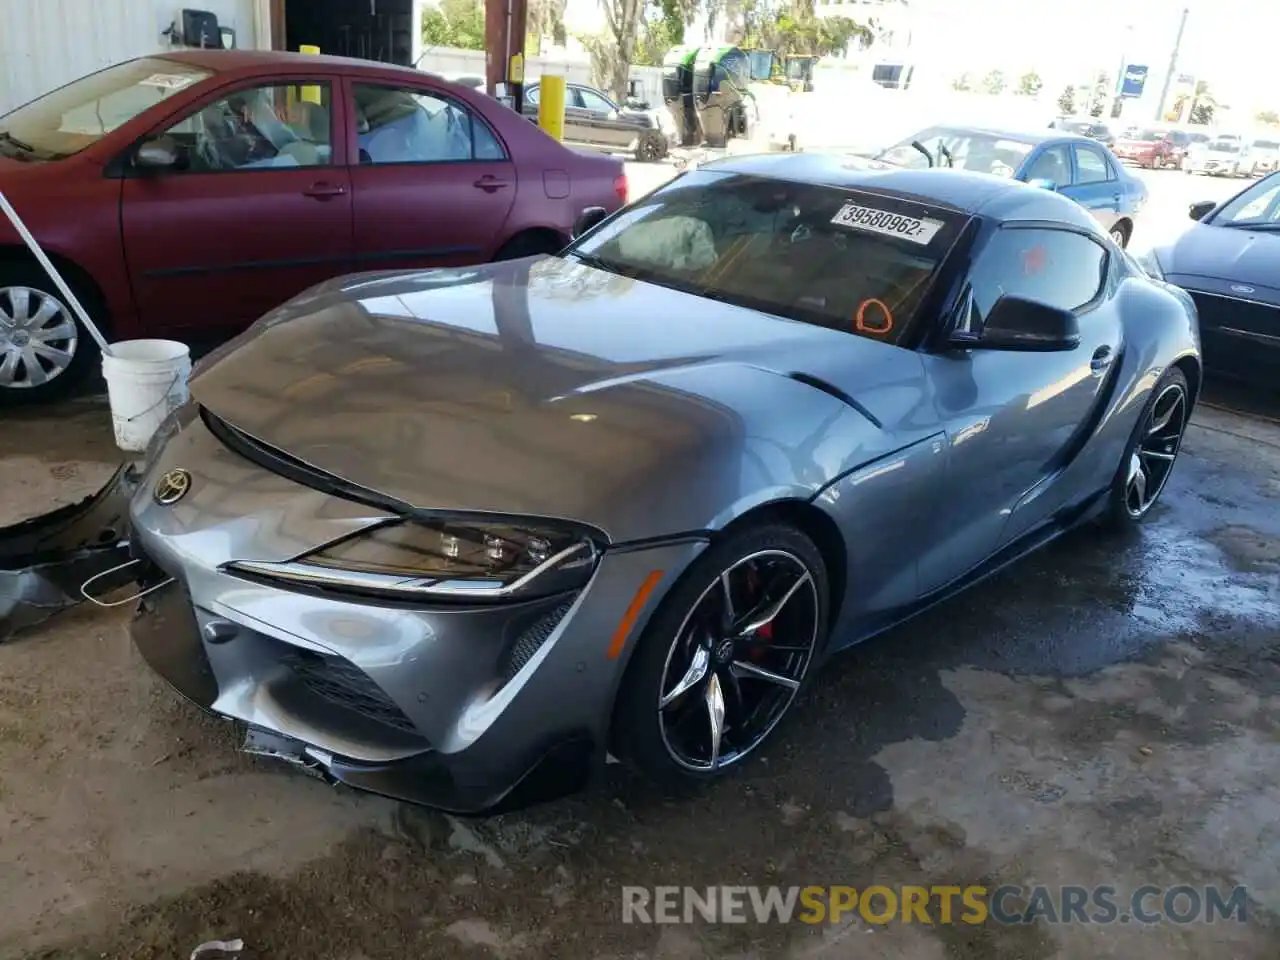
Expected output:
(714, 92)
(706, 89)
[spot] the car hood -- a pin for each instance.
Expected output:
(547, 387)
(1206, 252)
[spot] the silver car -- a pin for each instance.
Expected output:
(459, 536)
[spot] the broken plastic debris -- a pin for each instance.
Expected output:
(215, 949)
(44, 560)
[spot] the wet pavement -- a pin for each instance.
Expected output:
(1103, 713)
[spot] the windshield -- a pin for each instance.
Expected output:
(1224, 145)
(1266, 145)
(1257, 207)
(857, 263)
(1198, 137)
(1147, 134)
(1077, 126)
(963, 149)
(76, 116)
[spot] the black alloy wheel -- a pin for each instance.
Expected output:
(725, 656)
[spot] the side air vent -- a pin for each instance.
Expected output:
(832, 390)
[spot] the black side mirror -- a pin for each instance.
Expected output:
(1200, 210)
(162, 153)
(588, 219)
(1018, 324)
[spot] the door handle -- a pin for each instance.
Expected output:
(490, 183)
(325, 191)
(1102, 358)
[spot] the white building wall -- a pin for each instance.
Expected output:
(46, 43)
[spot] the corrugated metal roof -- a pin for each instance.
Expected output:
(46, 43)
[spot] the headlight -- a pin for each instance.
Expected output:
(1150, 264)
(425, 559)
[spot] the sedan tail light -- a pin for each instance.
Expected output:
(620, 187)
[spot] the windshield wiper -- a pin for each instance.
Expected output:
(591, 260)
(946, 155)
(8, 137)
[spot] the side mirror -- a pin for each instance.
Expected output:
(588, 219)
(1044, 183)
(162, 153)
(1200, 210)
(1018, 324)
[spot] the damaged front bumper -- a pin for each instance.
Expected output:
(46, 560)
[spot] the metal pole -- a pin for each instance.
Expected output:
(72, 301)
(1173, 65)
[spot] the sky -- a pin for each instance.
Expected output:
(1228, 43)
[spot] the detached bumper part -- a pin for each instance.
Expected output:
(45, 560)
(340, 705)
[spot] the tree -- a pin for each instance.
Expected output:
(1067, 100)
(963, 83)
(994, 82)
(790, 27)
(1030, 84)
(546, 22)
(1268, 118)
(1098, 97)
(454, 23)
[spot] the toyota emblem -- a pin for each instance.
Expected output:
(1241, 288)
(172, 487)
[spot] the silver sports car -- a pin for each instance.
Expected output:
(461, 536)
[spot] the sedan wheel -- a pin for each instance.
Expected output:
(725, 657)
(1120, 236)
(1152, 451)
(38, 338)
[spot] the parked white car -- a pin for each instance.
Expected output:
(1223, 156)
(1264, 157)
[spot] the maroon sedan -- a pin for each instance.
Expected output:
(185, 195)
(1152, 149)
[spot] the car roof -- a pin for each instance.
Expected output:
(251, 61)
(1033, 137)
(962, 191)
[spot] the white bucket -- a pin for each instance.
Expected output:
(146, 381)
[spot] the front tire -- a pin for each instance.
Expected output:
(45, 352)
(1151, 453)
(727, 653)
(651, 149)
(1120, 234)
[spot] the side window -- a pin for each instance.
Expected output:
(1051, 164)
(573, 98)
(279, 125)
(593, 101)
(1092, 166)
(531, 97)
(399, 125)
(1054, 267)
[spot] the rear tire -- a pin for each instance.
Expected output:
(664, 721)
(651, 148)
(45, 352)
(1121, 233)
(1151, 453)
(531, 243)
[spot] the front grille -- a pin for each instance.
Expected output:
(1218, 311)
(343, 683)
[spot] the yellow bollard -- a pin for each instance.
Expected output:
(310, 94)
(551, 105)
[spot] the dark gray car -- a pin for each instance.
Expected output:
(456, 536)
(592, 119)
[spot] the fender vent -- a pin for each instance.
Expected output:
(831, 390)
(534, 636)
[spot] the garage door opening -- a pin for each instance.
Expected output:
(370, 29)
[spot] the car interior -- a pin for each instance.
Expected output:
(787, 258)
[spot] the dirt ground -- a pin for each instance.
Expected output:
(1106, 713)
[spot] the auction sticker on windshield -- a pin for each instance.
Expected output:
(919, 230)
